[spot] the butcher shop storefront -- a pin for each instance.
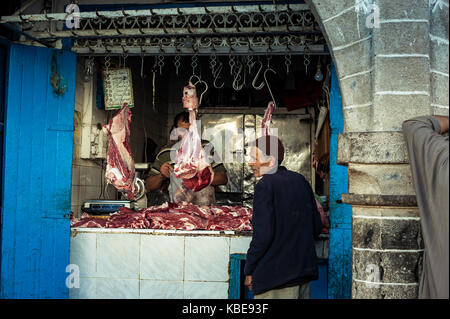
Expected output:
(89, 111)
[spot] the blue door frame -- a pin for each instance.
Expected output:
(340, 248)
(4, 49)
(36, 174)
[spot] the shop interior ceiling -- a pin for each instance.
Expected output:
(199, 28)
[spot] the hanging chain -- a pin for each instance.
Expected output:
(213, 63)
(177, 63)
(250, 63)
(232, 63)
(154, 84)
(287, 62)
(160, 63)
(268, 57)
(107, 62)
(125, 56)
(306, 58)
(142, 65)
(194, 63)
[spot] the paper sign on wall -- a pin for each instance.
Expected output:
(118, 88)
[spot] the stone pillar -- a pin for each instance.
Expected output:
(388, 73)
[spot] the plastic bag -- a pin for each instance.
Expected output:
(178, 192)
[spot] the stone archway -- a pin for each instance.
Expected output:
(387, 73)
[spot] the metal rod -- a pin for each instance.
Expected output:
(198, 32)
(45, 43)
(114, 52)
(238, 8)
(221, 51)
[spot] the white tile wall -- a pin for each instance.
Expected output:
(87, 290)
(205, 290)
(75, 175)
(75, 196)
(90, 176)
(83, 252)
(117, 288)
(158, 289)
(89, 192)
(207, 258)
(239, 245)
(145, 265)
(118, 255)
(162, 257)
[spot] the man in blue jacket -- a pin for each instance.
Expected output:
(281, 259)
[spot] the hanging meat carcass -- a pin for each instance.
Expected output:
(120, 170)
(190, 161)
(267, 119)
(190, 99)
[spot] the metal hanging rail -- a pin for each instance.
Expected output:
(274, 45)
(236, 29)
(205, 10)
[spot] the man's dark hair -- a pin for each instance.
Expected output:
(270, 146)
(183, 116)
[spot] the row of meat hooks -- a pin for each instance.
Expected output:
(239, 66)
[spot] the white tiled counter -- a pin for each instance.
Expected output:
(149, 263)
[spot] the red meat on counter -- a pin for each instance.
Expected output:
(88, 222)
(183, 216)
(127, 218)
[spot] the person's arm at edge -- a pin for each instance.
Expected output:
(418, 133)
(411, 127)
(443, 123)
(153, 182)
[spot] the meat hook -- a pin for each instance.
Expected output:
(267, 83)
(256, 77)
(216, 76)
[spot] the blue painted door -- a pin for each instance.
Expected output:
(3, 52)
(340, 247)
(38, 136)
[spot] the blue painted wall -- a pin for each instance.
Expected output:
(37, 174)
(340, 249)
(4, 49)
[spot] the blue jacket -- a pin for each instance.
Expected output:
(286, 224)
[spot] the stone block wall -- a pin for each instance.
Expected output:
(387, 73)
